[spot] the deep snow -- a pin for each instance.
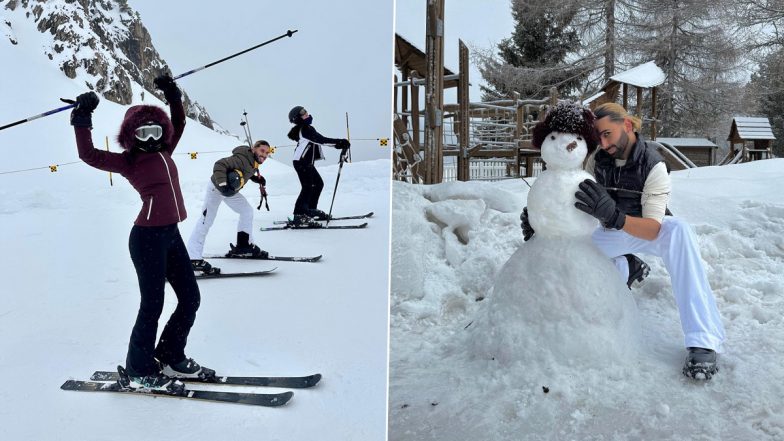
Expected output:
(462, 234)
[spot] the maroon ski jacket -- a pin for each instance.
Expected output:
(153, 175)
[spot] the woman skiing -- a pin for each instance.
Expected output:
(308, 150)
(158, 253)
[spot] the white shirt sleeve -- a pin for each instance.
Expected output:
(656, 193)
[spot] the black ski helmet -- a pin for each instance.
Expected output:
(295, 113)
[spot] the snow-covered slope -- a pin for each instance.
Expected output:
(69, 294)
(452, 239)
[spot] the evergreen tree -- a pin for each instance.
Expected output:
(534, 58)
(767, 89)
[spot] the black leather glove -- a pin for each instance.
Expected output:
(528, 231)
(594, 200)
(342, 144)
(259, 180)
(166, 84)
(82, 113)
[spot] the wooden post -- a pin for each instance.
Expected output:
(625, 96)
(519, 130)
(434, 92)
(638, 110)
(417, 169)
(553, 99)
(403, 97)
(463, 159)
(653, 114)
(394, 95)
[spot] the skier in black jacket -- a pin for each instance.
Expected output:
(307, 152)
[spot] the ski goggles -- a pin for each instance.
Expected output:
(152, 131)
(302, 111)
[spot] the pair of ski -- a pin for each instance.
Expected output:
(287, 225)
(107, 381)
(255, 273)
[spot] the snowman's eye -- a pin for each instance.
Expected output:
(552, 136)
(579, 138)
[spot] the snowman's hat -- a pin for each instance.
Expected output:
(567, 117)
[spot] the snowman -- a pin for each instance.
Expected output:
(558, 300)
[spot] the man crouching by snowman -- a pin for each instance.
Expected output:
(629, 198)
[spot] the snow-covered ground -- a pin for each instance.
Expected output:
(451, 240)
(69, 294)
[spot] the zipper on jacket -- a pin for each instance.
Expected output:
(174, 194)
(149, 209)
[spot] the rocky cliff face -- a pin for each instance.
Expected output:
(102, 41)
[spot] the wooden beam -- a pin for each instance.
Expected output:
(625, 96)
(653, 113)
(434, 91)
(463, 172)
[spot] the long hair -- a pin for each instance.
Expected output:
(617, 114)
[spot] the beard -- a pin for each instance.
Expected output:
(621, 146)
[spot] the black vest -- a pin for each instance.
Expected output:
(631, 176)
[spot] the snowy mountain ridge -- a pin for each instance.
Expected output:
(104, 43)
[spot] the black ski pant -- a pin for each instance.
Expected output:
(312, 184)
(159, 254)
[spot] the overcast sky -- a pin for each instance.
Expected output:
(339, 61)
(480, 24)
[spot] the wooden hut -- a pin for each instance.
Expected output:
(752, 137)
(642, 77)
(700, 151)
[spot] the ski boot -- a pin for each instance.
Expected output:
(700, 364)
(303, 221)
(146, 383)
(317, 215)
(188, 369)
(638, 270)
(244, 248)
(204, 266)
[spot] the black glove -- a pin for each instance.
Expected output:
(594, 200)
(169, 88)
(259, 180)
(342, 144)
(528, 231)
(82, 113)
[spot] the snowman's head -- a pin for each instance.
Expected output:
(566, 136)
(564, 150)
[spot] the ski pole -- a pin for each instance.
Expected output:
(246, 127)
(60, 109)
(287, 34)
(340, 169)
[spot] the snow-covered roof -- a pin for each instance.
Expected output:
(592, 98)
(645, 75)
(687, 142)
(753, 127)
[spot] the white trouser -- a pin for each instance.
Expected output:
(677, 246)
(209, 210)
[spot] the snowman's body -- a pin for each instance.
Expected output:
(553, 193)
(558, 299)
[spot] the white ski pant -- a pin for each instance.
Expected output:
(676, 244)
(212, 200)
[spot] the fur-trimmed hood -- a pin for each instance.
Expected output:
(137, 116)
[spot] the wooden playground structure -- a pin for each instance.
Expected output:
(491, 140)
